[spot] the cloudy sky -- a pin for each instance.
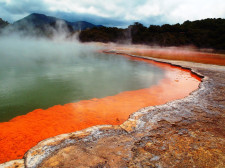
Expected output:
(116, 12)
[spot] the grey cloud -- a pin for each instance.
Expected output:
(15, 9)
(116, 13)
(23, 6)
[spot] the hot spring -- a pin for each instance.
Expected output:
(53, 87)
(40, 74)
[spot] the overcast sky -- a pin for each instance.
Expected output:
(116, 12)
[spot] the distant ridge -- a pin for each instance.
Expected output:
(40, 21)
(37, 20)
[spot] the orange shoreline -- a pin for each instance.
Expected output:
(23, 132)
(174, 53)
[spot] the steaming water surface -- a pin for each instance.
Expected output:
(41, 73)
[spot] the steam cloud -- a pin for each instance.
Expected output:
(30, 64)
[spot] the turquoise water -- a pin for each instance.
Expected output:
(41, 73)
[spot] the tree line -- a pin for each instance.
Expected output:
(207, 33)
(3, 23)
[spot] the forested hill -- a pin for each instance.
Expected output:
(207, 33)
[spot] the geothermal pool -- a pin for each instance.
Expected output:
(33, 77)
(64, 87)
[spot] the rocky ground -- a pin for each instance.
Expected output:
(182, 133)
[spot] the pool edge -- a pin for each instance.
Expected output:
(47, 147)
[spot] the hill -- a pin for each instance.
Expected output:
(39, 20)
(42, 25)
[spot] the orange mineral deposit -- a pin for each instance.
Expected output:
(23, 132)
(174, 53)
